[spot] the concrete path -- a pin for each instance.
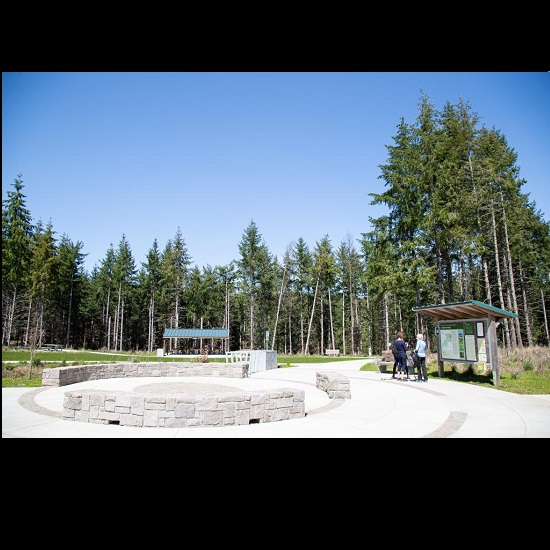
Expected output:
(379, 408)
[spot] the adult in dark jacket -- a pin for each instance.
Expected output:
(395, 361)
(400, 348)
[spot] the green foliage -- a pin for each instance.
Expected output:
(457, 227)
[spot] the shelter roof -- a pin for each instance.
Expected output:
(196, 333)
(464, 310)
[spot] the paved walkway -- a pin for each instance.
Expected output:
(379, 408)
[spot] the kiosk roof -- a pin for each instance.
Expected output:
(463, 310)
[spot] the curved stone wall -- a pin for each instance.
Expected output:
(183, 410)
(64, 376)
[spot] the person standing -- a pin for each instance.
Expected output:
(395, 359)
(400, 347)
(420, 349)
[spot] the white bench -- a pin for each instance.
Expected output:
(240, 356)
(332, 352)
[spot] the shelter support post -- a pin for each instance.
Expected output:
(493, 350)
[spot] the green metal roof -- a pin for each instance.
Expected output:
(463, 310)
(196, 333)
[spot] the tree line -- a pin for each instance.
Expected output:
(458, 228)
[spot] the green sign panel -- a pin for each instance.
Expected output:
(452, 341)
(458, 341)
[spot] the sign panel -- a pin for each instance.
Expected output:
(463, 341)
(480, 329)
(452, 341)
(482, 350)
(470, 341)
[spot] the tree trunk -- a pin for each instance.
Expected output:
(351, 324)
(439, 275)
(302, 323)
(69, 315)
(290, 333)
(387, 321)
(252, 320)
(28, 328)
(511, 275)
(508, 306)
(227, 311)
(117, 318)
(322, 322)
(40, 331)
(107, 322)
(487, 281)
(343, 323)
(177, 313)
(499, 277)
(331, 321)
(525, 307)
(306, 349)
(11, 315)
(151, 331)
(121, 322)
(545, 317)
(278, 310)
(200, 341)
(358, 327)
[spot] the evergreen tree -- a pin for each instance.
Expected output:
(254, 267)
(151, 280)
(123, 275)
(70, 281)
(174, 270)
(17, 233)
(302, 283)
(42, 277)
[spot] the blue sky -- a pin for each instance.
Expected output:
(141, 154)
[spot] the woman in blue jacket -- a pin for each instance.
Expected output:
(421, 351)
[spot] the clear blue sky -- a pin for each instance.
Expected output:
(141, 154)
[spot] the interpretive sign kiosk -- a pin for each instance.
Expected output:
(467, 333)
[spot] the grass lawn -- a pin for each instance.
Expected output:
(520, 373)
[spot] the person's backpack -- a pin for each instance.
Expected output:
(394, 351)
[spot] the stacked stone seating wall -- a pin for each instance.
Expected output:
(64, 376)
(334, 383)
(183, 410)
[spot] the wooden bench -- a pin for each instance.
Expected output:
(50, 347)
(386, 360)
(332, 352)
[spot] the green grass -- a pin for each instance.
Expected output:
(21, 382)
(15, 363)
(521, 372)
(79, 356)
(527, 382)
(524, 383)
(311, 359)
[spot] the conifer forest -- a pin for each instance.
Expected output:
(458, 228)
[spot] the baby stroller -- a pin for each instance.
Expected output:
(413, 363)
